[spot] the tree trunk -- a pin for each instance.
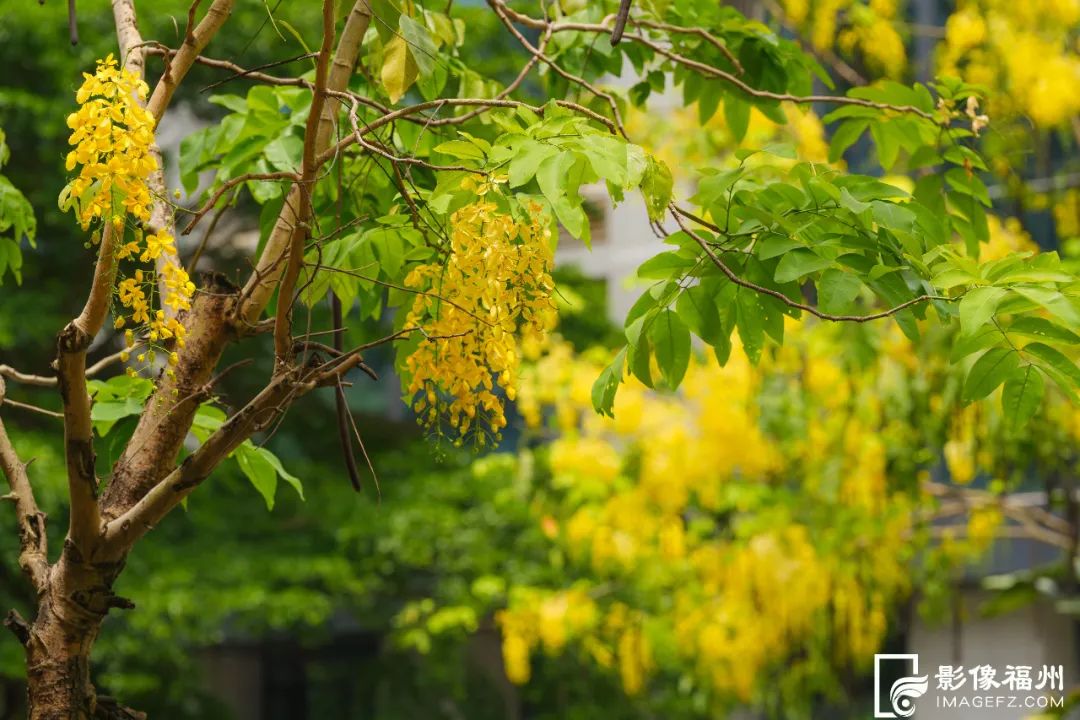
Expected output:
(58, 643)
(58, 668)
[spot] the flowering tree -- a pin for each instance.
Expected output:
(393, 175)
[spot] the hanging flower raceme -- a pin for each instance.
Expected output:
(113, 135)
(491, 290)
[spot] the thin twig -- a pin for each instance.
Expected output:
(32, 408)
(734, 278)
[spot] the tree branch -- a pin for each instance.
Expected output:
(127, 36)
(284, 387)
(166, 419)
(406, 113)
(260, 287)
(44, 381)
(33, 557)
(506, 14)
(259, 413)
(194, 43)
(229, 185)
(176, 68)
(734, 278)
(71, 346)
(31, 408)
(18, 626)
(308, 170)
(26, 379)
(217, 317)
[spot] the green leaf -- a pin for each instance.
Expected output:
(639, 350)
(978, 306)
(893, 215)
(967, 184)
(387, 12)
(953, 277)
(837, 291)
(421, 46)
(748, 321)
(656, 187)
(608, 158)
(526, 159)
(605, 387)
(285, 153)
(671, 343)
(799, 263)
(845, 136)
(259, 470)
(559, 178)
(737, 116)
(697, 308)
(105, 414)
(1058, 305)
(462, 149)
(708, 101)
(847, 200)
(1043, 328)
(664, 266)
(1021, 396)
(1054, 359)
(282, 473)
(774, 245)
(781, 150)
(888, 144)
(984, 337)
(208, 418)
(399, 68)
(117, 398)
(989, 371)
(713, 188)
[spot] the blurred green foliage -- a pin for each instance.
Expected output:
(428, 551)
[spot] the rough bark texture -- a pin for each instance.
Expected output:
(164, 424)
(75, 594)
(58, 643)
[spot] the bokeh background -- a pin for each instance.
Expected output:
(831, 505)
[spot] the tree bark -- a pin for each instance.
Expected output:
(58, 643)
(165, 422)
(75, 594)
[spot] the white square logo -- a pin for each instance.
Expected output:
(898, 700)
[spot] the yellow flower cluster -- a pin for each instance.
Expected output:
(762, 524)
(869, 27)
(1067, 214)
(679, 139)
(112, 133)
(177, 288)
(135, 293)
(642, 493)
(1025, 52)
(548, 620)
(493, 287)
(960, 449)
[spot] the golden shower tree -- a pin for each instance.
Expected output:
(396, 176)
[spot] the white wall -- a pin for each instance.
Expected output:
(1035, 635)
